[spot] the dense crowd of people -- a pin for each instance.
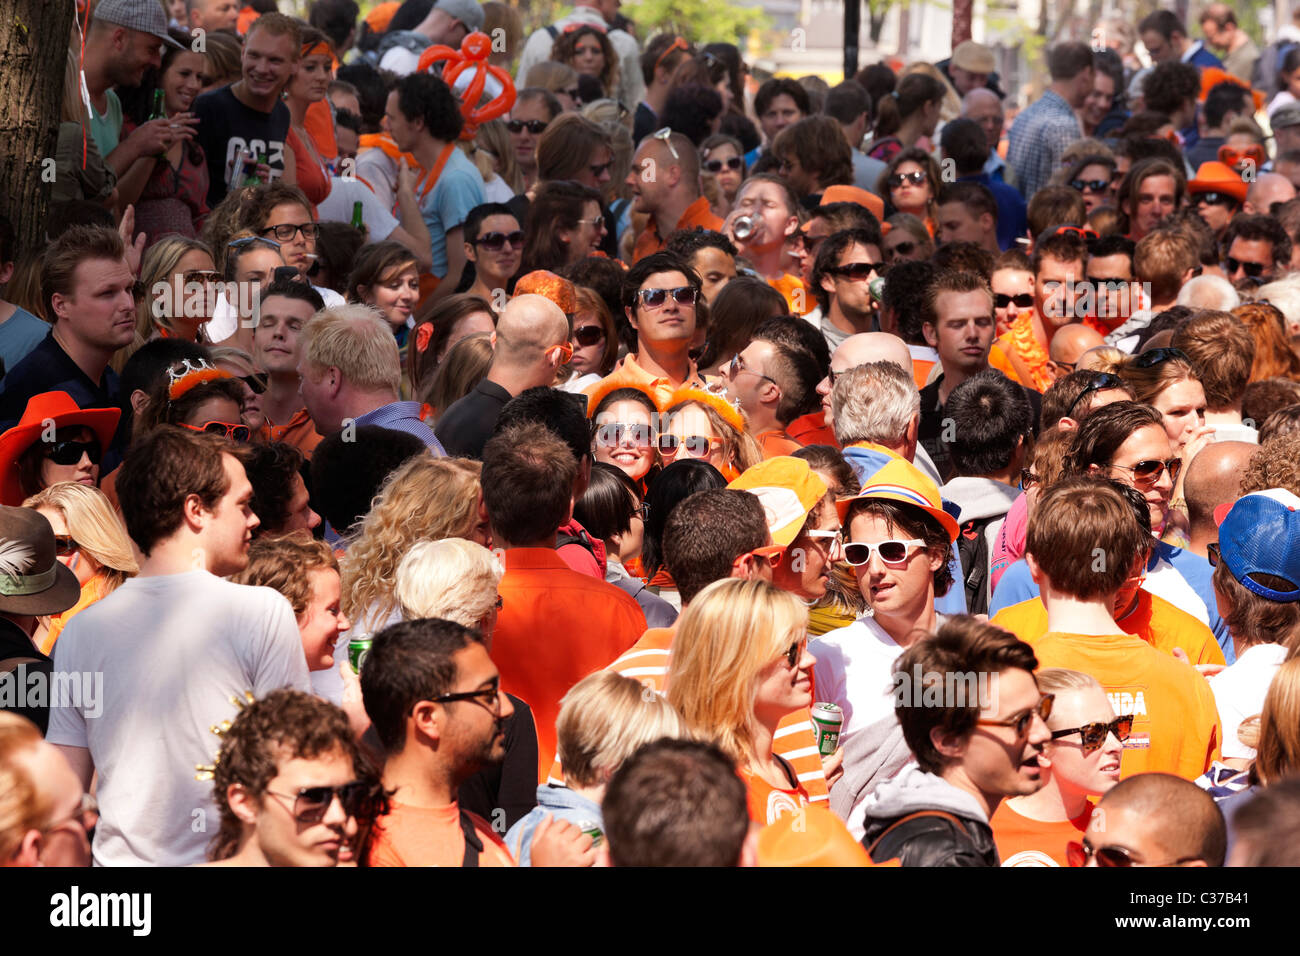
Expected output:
(601, 457)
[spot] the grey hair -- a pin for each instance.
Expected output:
(1284, 295)
(874, 402)
(1209, 292)
(451, 578)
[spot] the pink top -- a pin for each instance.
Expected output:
(1010, 545)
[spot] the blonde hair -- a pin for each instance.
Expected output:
(725, 637)
(23, 806)
(424, 500)
(1061, 680)
(1278, 749)
(230, 355)
(603, 719)
(358, 341)
(94, 525)
(740, 447)
(159, 265)
(452, 579)
(493, 139)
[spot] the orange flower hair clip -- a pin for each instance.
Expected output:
(423, 336)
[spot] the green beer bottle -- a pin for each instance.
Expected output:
(159, 112)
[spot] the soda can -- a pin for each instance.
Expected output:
(358, 648)
(743, 227)
(827, 719)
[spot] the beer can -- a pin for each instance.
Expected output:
(358, 648)
(828, 719)
(592, 829)
(743, 227)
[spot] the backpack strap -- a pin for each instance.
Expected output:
(473, 843)
(554, 31)
(871, 850)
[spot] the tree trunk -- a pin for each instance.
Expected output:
(33, 45)
(961, 18)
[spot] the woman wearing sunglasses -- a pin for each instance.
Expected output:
(494, 243)
(36, 457)
(702, 425)
(624, 424)
(911, 182)
(740, 664)
(1080, 762)
(91, 542)
(722, 159)
(594, 340)
(198, 397)
(178, 276)
(565, 226)
(1092, 178)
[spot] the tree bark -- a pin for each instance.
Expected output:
(33, 55)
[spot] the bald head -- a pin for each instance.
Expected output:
(1268, 189)
(1071, 341)
(528, 327)
(980, 98)
(1214, 478)
(1158, 819)
(675, 163)
(871, 347)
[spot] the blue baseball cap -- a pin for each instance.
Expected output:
(1260, 534)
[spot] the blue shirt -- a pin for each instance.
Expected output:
(19, 334)
(1038, 137)
(403, 417)
(1198, 56)
(1013, 221)
(458, 190)
(1197, 572)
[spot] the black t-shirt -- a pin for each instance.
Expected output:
(227, 127)
(22, 692)
(510, 786)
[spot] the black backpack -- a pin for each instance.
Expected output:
(973, 552)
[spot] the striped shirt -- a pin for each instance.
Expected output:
(403, 417)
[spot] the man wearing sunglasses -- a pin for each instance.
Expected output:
(1084, 543)
(659, 295)
(186, 502)
(494, 242)
(972, 748)
(665, 183)
(1154, 819)
(531, 342)
(1257, 250)
(841, 282)
(774, 381)
(1110, 274)
(290, 785)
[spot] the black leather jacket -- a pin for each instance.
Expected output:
(932, 841)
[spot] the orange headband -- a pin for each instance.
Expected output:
(190, 377)
(317, 49)
(724, 408)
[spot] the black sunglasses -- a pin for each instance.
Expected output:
(1153, 357)
(588, 334)
(1253, 270)
(1094, 734)
(536, 127)
(1214, 199)
(897, 179)
(717, 165)
(856, 271)
(1103, 381)
(286, 230)
(310, 804)
(1089, 185)
(1022, 301)
(257, 382)
(70, 452)
(64, 545)
(496, 241)
(902, 249)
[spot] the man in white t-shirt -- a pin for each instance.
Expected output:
(167, 659)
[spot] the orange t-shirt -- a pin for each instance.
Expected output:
(299, 431)
(1025, 842)
(1176, 723)
(776, 443)
(431, 836)
(767, 803)
(796, 294)
(1162, 625)
(795, 740)
(555, 627)
(697, 213)
(811, 429)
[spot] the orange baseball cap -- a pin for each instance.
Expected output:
(788, 489)
(854, 194)
(1217, 177)
(900, 480)
(382, 15)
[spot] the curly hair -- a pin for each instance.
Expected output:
(427, 499)
(283, 563)
(286, 724)
(1275, 464)
(565, 50)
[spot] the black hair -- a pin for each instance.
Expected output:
(904, 295)
(474, 220)
(425, 97)
(1115, 245)
(684, 243)
(964, 142)
(562, 413)
(605, 508)
(372, 92)
(678, 481)
(1224, 98)
(990, 415)
(846, 101)
(292, 289)
(690, 110)
(604, 277)
(7, 236)
(651, 265)
(146, 367)
(347, 470)
(271, 468)
(348, 120)
(334, 18)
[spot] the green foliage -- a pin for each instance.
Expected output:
(700, 21)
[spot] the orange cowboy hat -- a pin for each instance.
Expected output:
(42, 410)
